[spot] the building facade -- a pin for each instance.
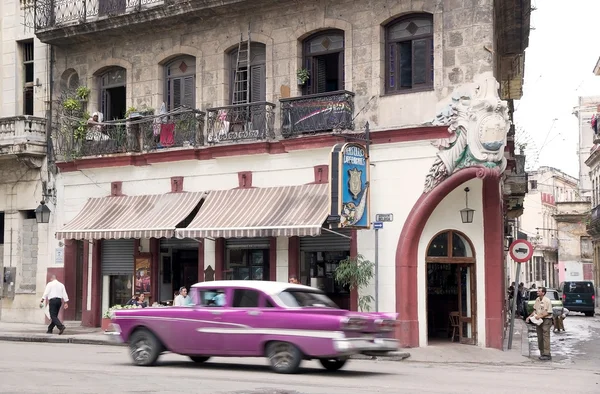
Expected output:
(24, 174)
(215, 151)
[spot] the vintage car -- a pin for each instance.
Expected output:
(285, 322)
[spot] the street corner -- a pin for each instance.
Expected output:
(578, 344)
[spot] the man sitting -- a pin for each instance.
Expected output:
(182, 299)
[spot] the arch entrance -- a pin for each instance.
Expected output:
(451, 288)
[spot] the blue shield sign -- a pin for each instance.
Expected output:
(349, 182)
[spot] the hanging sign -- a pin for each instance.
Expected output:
(349, 178)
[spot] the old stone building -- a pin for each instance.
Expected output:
(23, 170)
(222, 128)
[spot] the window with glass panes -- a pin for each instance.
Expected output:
(409, 54)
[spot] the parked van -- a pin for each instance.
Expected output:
(579, 296)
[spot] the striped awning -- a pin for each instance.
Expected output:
(146, 216)
(261, 212)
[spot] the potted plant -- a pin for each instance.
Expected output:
(83, 92)
(357, 274)
(302, 75)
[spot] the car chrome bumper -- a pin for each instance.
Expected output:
(365, 345)
(114, 335)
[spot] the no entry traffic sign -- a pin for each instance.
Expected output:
(520, 250)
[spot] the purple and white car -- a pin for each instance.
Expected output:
(284, 322)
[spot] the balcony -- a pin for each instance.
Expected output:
(75, 138)
(64, 21)
(593, 222)
(333, 111)
(23, 137)
(242, 122)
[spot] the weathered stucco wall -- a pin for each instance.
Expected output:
(463, 39)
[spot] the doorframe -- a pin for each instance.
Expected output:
(458, 261)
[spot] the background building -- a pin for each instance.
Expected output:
(213, 156)
(24, 104)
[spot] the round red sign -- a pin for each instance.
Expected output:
(520, 250)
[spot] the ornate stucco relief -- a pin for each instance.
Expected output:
(478, 123)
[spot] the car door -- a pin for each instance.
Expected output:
(206, 337)
(243, 323)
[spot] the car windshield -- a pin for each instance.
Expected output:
(579, 287)
(551, 294)
(304, 298)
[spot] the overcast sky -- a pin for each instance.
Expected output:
(559, 64)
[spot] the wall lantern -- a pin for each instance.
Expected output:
(466, 214)
(42, 213)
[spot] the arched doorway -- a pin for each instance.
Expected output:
(451, 288)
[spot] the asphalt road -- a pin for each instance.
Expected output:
(67, 368)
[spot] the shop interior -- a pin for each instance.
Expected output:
(247, 264)
(317, 270)
(442, 299)
(178, 267)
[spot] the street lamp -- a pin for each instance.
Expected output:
(42, 213)
(466, 214)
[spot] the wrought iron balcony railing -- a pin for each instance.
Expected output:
(242, 122)
(58, 13)
(75, 138)
(317, 113)
(18, 130)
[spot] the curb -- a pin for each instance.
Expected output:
(49, 339)
(396, 356)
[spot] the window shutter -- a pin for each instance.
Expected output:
(258, 83)
(419, 58)
(189, 92)
(176, 93)
(320, 83)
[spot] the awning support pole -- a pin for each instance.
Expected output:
(335, 232)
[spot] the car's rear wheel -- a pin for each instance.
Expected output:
(284, 357)
(333, 364)
(199, 359)
(144, 348)
(591, 314)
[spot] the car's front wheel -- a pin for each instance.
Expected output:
(144, 348)
(333, 364)
(199, 359)
(284, 357)
(591, 314)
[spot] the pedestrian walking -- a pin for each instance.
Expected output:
(542, 309)
(54, 295)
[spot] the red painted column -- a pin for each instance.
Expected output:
(272, 258)
(219, 258)
(96, 312)
(70, 276)
(353, 254)
(85, 313)
(201, 260)
(294, 257)
(494, 264)
(154, 268)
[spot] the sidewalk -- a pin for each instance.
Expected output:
(436, 352)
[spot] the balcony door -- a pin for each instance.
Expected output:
(324, 60)
(111, 7)
(113, 93)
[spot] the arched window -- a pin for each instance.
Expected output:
(180, 77)
(409, 54)
(324, 59)
(113, 93)
(450, 244)
(250, 84)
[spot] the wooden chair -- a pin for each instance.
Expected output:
(454, 322)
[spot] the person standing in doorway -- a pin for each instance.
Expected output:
(54, 295)
(542, 309)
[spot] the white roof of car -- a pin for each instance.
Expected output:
(268, 287)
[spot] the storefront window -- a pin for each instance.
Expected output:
(247, 264)
(120, 289)
(318, 271)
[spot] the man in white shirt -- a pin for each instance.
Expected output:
(182, 299)
(54, 294)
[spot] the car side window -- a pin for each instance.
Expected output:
(212, 298)
(269, 304)
(244, 298)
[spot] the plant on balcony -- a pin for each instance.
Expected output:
(356, 273)
(83, 92)
(302, 75)
(71, 105)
